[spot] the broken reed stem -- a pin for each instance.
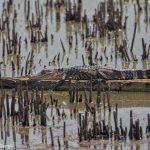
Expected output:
(132, 43)
(64, 130)
(52, 140)
(7, 105)
(62, 46)
(28, 10)
(83, 60)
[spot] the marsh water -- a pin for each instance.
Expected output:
(38, 137)
(44, 53)
(18, 137)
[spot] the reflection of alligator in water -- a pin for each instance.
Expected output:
(58, 77)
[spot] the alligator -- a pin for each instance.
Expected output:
(53, 79)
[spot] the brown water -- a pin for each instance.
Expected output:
(39, 137)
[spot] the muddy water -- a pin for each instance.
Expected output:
(39, 137)
(45, 52)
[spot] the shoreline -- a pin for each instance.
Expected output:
(135, 85)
